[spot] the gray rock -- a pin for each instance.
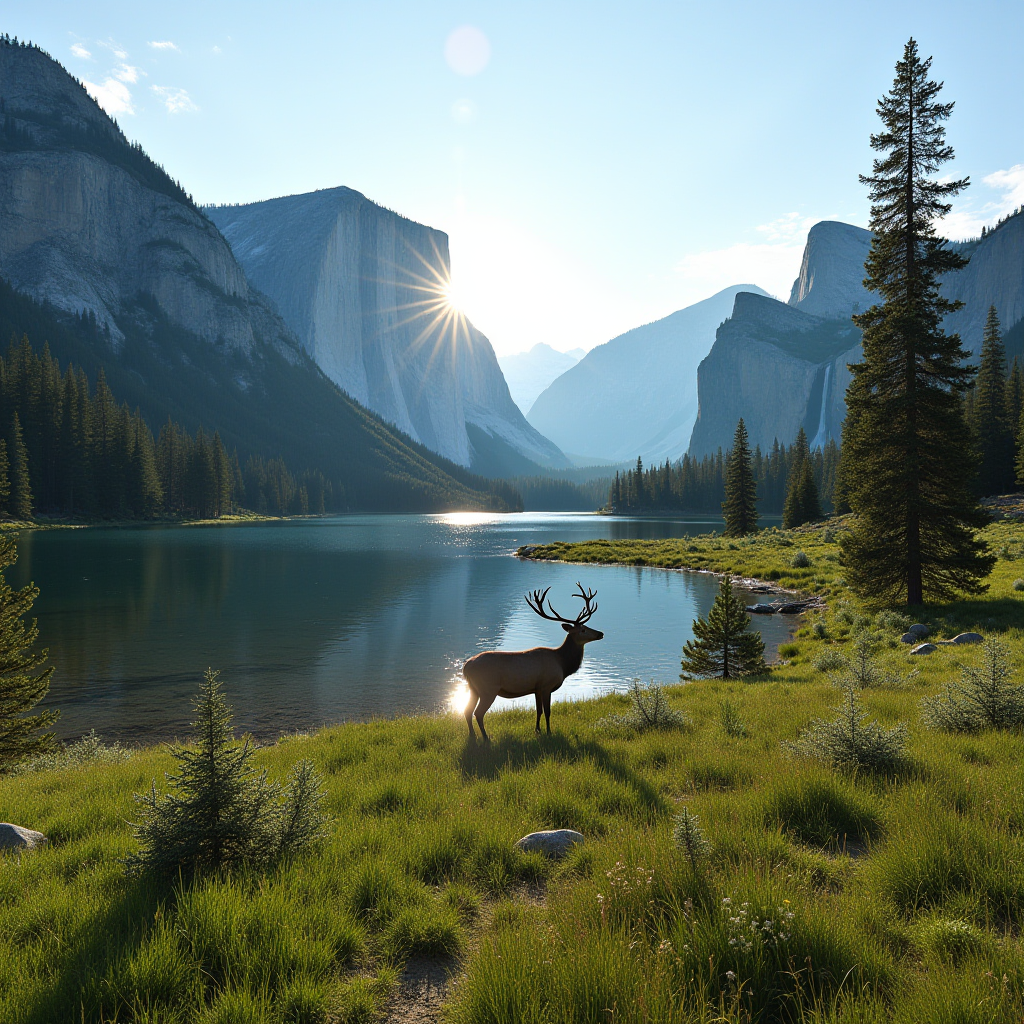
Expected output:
(919, 629)
(556, 843)
(968, 638)
(924, 649)
(762, 609)
(909, 638)
(14, 837)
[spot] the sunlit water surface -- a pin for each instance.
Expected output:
(324, 620)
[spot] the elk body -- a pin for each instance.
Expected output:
(540, 670)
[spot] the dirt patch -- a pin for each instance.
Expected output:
(421, 991)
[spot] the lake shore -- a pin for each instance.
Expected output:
(861, 876)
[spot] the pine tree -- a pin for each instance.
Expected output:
(802, 502)
(20, 503)
(723, 644)
(223, 811)
(908, 448)
(992, 423)
(22, 685)
(740, 505)
(1014, 395)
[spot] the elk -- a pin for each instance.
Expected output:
(540, 670)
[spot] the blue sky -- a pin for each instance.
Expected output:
(596, 165)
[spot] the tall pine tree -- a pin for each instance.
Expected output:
(992, 423)
(20, 502)
(802, 502)
(907, 446)
(740, 505)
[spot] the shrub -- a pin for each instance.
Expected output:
(649, 709)
(830, 660)
(800, 560)
(983, 699)
(849, 741)
(895, 622)
(222, 810)
(89, 750)
(819, 629)
(689, 837)
(731, 721)
(863, 670)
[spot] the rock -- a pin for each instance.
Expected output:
(919, 629)
(924, 649)
(793, 609)
(556, 843)
(909, 638)
(968, 638)
(14, 837)
(762, 609)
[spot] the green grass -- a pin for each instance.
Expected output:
(906, 893)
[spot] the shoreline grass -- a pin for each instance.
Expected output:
(906, 891)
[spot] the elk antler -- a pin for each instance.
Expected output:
(538, 597)
(588, 609)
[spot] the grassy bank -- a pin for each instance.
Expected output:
(889, 898)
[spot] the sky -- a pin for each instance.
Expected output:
(595, 165)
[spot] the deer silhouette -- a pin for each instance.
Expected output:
(540, 670)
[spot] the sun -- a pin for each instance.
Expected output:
(452, 297)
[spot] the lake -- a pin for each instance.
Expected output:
(315, 621)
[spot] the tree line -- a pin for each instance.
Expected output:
(698, 485)
(68, 448)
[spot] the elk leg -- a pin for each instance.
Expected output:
(470, 705)
(540, 707)
(481, 710)
(547, 713)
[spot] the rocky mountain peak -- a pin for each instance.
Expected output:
(832, 271)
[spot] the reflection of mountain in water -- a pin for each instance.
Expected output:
(320, 621)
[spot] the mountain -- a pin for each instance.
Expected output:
(109, 260)
(777, 367)
(364, 290)
(529, 373)
(782, 370)
(831, 281)
(636, 394)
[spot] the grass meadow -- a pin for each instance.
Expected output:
(827, 896)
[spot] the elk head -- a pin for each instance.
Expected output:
(577, 628)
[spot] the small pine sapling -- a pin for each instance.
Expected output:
(649, 709)
(222, 811)
(689, 837)
(850, 741)
(723, 644)
(985, 697)
(732, 723)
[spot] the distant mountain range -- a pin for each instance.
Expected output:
(108, 259)
(364, 290)
(529, 373)
(636, 394)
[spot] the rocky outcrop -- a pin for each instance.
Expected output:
(636, 394)
(364, 290)
(83, 225)
(779, 369)
(831, 278)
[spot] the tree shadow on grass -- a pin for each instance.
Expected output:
(488, 760)
(78, 990)
(979, 613)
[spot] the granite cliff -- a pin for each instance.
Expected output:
(782, 367)
(636, 394)
(90, 225)
(364, 290)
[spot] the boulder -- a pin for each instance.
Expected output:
(924, 649)
(761, 609)
(968, 638)
(14, 837)
(793, 609)
(919, 629)
(556, 843)
(910, 638)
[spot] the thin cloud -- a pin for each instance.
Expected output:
(163, 44)
(117, 50)
(126, 73)
(215, 50)
(968, 221)
(113, 96)
(177, 101)
(80, 51)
